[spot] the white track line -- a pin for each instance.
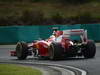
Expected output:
(63, 71)
(82, 71)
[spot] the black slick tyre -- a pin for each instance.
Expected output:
(21, 50)
(55, 51)
(90, 50)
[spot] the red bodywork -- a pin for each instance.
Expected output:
(42, 47)
(13, 53)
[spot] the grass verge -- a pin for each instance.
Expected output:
(10, 69)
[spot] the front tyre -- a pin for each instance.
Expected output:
(55, 51)
(90, 50)
(21, 50)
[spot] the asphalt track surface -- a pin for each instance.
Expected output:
(92, 66)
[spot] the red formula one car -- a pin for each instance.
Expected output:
(58, 46)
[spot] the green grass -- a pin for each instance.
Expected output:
(9, 69)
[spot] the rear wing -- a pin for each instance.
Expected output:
(80, 32)
(74, 32)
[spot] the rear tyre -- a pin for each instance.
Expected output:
(56, 51)
(21, 50)
(90, 50)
